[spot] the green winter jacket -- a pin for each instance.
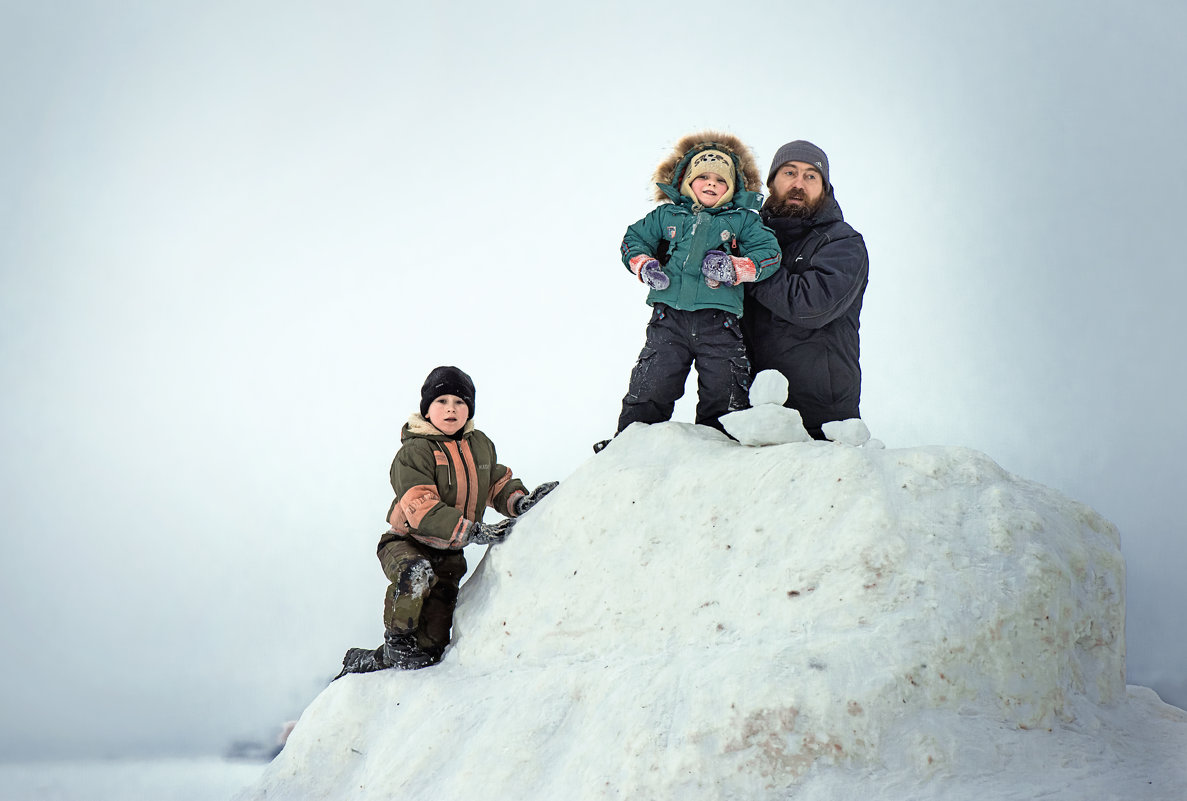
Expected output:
(443, 484)
(690, 231)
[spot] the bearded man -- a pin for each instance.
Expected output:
(803, 320)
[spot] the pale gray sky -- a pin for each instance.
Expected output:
(235, 237)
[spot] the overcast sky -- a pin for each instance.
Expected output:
(235, 237)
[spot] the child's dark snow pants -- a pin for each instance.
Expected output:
(428, 616)
(676, 339)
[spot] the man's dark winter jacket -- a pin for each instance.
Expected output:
(803, 320)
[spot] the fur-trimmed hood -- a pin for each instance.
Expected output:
(420, 427)
(670, 172)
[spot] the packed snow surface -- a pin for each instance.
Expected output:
(689, 617)
(170, 779)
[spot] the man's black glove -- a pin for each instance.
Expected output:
(525, 502)
(484, 533)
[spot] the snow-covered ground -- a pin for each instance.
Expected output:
(689, 617)
(209, 779)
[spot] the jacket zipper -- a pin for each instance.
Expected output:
(469, 489)
(448, 465)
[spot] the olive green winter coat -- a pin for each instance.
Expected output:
(443, 484)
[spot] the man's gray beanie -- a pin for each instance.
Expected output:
(804, 151)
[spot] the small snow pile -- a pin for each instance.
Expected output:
(689, 617)
(768, 422)
(850, 432)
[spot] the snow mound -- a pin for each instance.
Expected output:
(686, 617)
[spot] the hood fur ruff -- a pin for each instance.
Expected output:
(417, 424)
(747, 170)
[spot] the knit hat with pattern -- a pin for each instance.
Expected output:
(709, 161)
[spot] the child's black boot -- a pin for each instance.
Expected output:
(401, 650)
(364, 660)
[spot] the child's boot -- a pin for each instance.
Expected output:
(401, 650)
(364, 660)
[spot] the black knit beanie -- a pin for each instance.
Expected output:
(804, 151)
(446, 381)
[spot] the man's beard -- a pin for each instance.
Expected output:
(781, 205)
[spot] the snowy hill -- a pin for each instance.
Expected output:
(686, 617)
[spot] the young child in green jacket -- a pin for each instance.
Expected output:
(694, 252)
(445, 474)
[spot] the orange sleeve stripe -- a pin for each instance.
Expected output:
(511, 502)
(458, 538)
(397, 519)
(418, 502)
(496, 488)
